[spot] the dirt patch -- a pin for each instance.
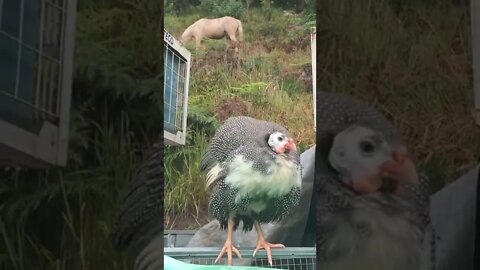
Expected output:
(232, 107)
(191, 221)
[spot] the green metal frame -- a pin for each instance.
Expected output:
(247, 253)
(298, 258)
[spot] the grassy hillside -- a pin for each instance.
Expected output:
(262, 81)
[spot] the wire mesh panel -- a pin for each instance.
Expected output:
(176, 75)
(35, 75)
(177, 238)
(292, 258)
(174, 90)
(31, 35)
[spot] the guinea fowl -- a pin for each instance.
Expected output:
(253, 169)
(372, 206)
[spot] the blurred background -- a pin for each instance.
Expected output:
(412, 60)
(62, 217)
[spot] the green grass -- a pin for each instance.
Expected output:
(63, 218)
(267, 57)
(65, 221)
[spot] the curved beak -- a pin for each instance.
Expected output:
(291, 146)
(399, 168)
(288, 146)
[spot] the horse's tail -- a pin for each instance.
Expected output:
(240, 31)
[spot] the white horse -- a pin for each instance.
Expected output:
(214, 29)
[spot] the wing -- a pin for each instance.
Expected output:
(234, 133)
(244, 160)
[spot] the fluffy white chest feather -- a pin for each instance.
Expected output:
(369, 239)
(282, 176)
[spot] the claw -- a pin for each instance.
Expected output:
(267, 246)
(228, 247)
(262, 243)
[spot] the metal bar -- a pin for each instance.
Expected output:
(181, 92)
(53, 81)
(60, 67)
(55, 78)
(39, 54)
(475, 25)
(313, 48)
(45, 74)
(19, 57)
(192, 232)
(185, 97)
(171, 88)
(1, 13)
(46, 64)
(178, 103)
(67, 73)
(209, 252)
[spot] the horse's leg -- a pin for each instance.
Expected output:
(233, 40)
(198, 42)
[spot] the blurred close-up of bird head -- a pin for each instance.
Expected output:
(368, 161)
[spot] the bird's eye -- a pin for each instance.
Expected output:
(367, 147)
(280, 138)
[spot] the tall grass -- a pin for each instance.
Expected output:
(264, 84)
(62, 218)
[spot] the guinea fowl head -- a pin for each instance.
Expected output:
(280, 143)
(369, 162)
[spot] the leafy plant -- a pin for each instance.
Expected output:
(220, 8)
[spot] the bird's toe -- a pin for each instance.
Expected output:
(229, 249)
(267, 246)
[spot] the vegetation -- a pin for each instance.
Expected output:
(261, 82)
(62, 218)
(216, 8)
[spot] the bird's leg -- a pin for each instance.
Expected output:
(262, 243)
(228, 247)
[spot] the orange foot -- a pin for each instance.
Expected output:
(262, 243)
(228, 247)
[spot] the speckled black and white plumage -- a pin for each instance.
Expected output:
(378, 231)
(249, 181)
(141, 214)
